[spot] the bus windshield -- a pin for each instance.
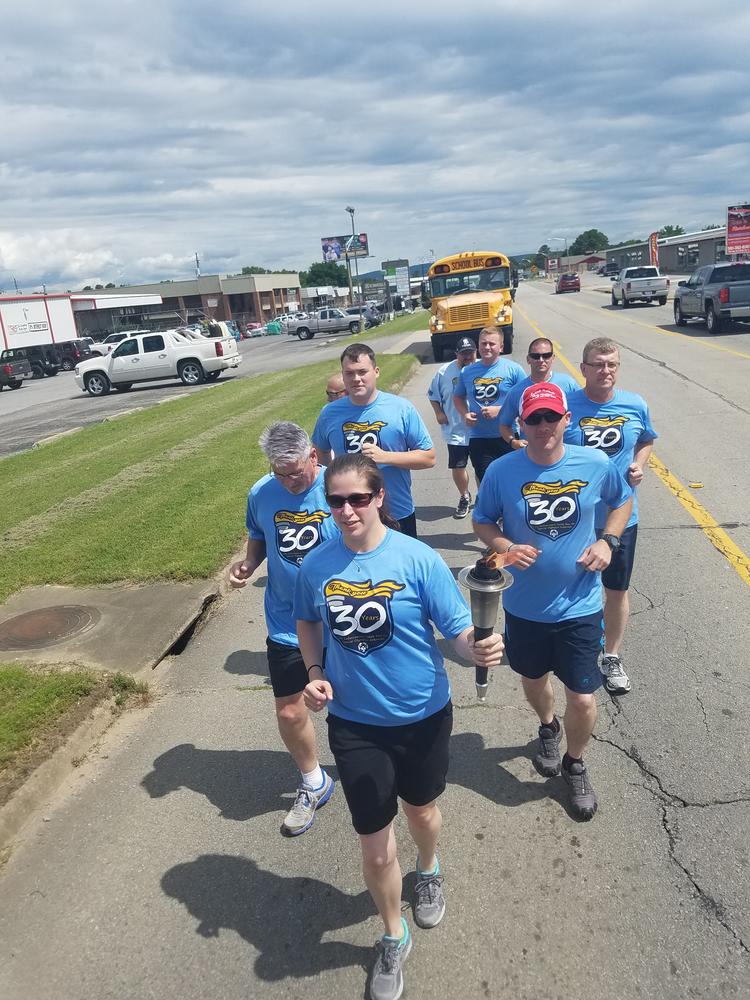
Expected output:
(491, 279)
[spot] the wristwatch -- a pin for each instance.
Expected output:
(613, 541)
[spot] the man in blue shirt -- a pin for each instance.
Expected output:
(547, 496)
(452, 425)
(479, 396)
(617, 423)
(287, 518)
(384, 427)
(540, 358)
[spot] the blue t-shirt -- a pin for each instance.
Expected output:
(616, 428)
(291, 525)
(551, 507)
(509, 412)
(388, 421)
(376, 607)
(487, 385)
(442, 389)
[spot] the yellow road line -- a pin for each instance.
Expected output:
(720, 540)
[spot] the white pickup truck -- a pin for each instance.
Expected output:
(150, 356)
(639, 284)
(324, 321)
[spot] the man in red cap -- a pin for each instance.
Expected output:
(546, 496)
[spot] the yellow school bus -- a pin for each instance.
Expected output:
(468, 291)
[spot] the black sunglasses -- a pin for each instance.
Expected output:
(336, 502)
(547, 416)
(541, 355)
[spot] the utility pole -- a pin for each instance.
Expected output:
(350, 210)
(197, 265)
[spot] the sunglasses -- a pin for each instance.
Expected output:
(541, 355)
(336, 502)
(547, 416)
(335, 395)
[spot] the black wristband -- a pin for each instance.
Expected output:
(314, 665)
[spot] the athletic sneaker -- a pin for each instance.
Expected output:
(429, 901)
(547, 759)
(582, 795)
(616, 681)
(387, 981)
(302, 814)
(464, 503)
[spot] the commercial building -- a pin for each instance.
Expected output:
(677, 254)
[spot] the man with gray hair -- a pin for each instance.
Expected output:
(288, 517)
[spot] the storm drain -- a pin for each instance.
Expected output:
(47, 626)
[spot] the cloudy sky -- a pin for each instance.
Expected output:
(135, 134)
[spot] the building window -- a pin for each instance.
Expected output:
(682, 261)
(720, 251)
(693, 252)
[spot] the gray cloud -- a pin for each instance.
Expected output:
(136, 135)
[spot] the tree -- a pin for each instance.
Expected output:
(540, 258)
(256, 269)
(713, 225)
(592, 239)
(671, 231)
(87, 288)
(110, 284)
(324, 273)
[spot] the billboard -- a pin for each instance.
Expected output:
(738, 229)
(337, 248)
(653, 249)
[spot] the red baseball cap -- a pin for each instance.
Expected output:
(542, 396)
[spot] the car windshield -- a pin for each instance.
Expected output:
(736, 272)
(492, 279)
(642, 272)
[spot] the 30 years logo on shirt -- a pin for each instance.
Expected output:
(298, 532)
(487, 389)
(604, 433)
(359, 432)
(359, 614)
(552, 509)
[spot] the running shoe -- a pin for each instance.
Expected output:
(616, 681)
(387, 981)
(582, 795)
(462, 508)
(547, 759)
(429, 901)
(302, 814)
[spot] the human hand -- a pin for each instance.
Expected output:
(239, 574)
(635, 474)
(317, 694)
(596, 557)
(375, 453)
(471, 418)
(522, 556)
(441, 418)
(490, 412)
(518, 443)
(486, 652)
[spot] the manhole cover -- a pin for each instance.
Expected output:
(46, 626)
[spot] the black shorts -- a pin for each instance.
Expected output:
(617, 575)
(286, 667)
(569, 649)
(408, 525)
(482, 451)
(379, 764)
(458, 456)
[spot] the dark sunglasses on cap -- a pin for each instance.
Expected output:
(543, 415)
(336, 502)
(541, 355)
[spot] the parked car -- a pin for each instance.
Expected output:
(639, 284)
(13, 370)
(325, 321)
(106, 345)
(153, 356)
(370, 315)
(567, 283)
(717, 293)
(44, 359)
(73, 351)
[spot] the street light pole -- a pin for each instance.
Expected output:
(350, 210)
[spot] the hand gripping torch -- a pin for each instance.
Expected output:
(485, 582)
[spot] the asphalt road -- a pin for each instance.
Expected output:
(42, 407)
(158, 869)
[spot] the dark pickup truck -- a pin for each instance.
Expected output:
(717, 293)
(13, 371)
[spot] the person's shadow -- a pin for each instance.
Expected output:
(282, 917)
(245, 662)
(479, 768)
(240, 783)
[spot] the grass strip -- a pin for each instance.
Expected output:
(179, 517)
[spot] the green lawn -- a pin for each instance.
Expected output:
(158, 494)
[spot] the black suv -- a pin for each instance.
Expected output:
(43, 358)
(73, 351)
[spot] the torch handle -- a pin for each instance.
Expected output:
(480, 673)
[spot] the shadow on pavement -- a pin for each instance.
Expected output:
(478, 768)
(244, 662)
(240, 783)
(283, 917)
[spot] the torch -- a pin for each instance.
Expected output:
(485, 582)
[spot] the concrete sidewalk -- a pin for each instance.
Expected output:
(159, 870)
